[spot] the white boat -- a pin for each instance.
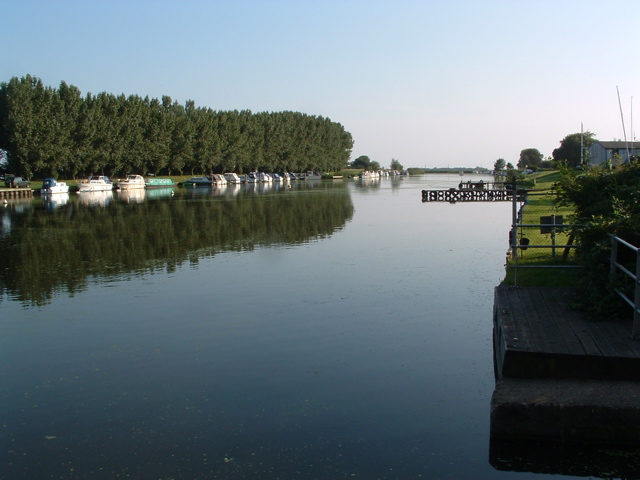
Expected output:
(277, 177)
(264, 177)
(95, 183)
(218, 179)
(50, 185)
(252, 177)
(232, 178)
(132, 181)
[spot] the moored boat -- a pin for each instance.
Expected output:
(158, 182)
(311, 176)
(264, 177)
(131, 182)
(95, 183)
(51, 185)
(218, 179)
(232, 178)
(197, 182)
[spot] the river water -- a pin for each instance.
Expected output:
(328, 330)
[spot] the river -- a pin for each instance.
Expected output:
(328, 330)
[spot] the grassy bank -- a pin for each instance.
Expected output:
(541, 204)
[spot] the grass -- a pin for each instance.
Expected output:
(562, 271)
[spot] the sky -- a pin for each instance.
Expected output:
(430, 83)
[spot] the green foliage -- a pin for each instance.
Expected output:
(396, 165)
(362, 162)
(606, 202)
(569, 150)
(530, 157)
(56, 132)
(500, 165)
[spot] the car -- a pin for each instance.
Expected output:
(16, 182)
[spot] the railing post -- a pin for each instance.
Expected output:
(635, 332)
(614, 255)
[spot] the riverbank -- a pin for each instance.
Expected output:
(561, 379)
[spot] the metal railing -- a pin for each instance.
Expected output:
(615, 266)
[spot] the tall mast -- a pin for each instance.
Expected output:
(623, 129)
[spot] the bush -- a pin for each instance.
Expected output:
(606, 202)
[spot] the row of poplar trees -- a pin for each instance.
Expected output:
(48, 132)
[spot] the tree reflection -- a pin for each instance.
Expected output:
(45, 250)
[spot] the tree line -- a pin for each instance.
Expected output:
(572, 152)
(49, 132)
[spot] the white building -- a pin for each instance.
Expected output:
(601, 152)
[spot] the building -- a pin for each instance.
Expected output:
(602, 152)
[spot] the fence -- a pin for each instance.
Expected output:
(624, 264)
(548, 244)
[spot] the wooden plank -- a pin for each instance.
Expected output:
(557, 310)
(511, 304)
(616, 334)
(578, 324)
(504, 323)
(603, 343)
(548, 321)
(530, 315)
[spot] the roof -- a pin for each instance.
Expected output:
(618, 144)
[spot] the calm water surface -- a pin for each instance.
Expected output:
(327, 331)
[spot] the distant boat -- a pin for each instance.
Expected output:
(312, 176)
(50, 185)
(197, 182)
(218, 179)
(131, 182)
(159, 183)
(232, 178)
(95, 183)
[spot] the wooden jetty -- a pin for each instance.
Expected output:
(560, 376)
(15, 192)
(473, 192)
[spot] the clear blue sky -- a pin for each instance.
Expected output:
(428, 82)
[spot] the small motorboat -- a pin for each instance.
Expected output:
(51, 185)
(132, 181)
(95, 183)
(197, 182)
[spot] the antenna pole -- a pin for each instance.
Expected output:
(623, 129)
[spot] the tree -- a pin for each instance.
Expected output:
(509, 166)
(499, 165)
(396, 165)
(362, 161)
(530, 157)
(45, 132)
(569, 150)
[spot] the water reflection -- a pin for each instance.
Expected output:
(58, 244)
(95, 199)
(52, 201)
(132, 195)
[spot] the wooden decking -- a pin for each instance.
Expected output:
(538, 335)
(15, 192)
